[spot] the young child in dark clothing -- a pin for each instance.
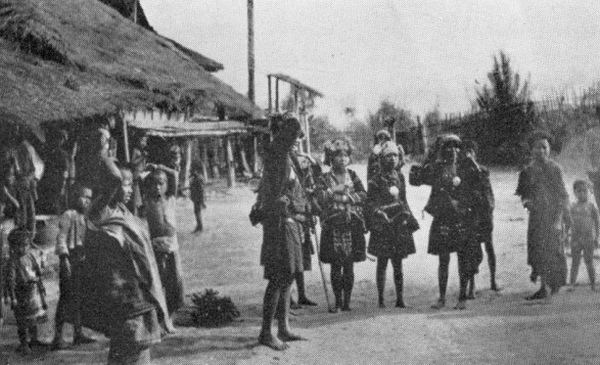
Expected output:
(585, 230)
(25, 289)
(198, 196)
(69, 248)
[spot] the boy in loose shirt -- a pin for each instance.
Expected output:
(69, 248)
(585, 229)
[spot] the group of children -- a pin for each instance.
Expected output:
(21, 283)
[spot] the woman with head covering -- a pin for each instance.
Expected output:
(374, 162)
(390, 220)
(451, 204)
(342, 197)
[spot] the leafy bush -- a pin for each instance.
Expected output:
(211, 310)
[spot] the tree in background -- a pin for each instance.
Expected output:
(508, 115)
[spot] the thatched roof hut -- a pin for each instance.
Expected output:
(73, 60)
(131, 9)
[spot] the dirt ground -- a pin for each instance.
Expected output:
(496, 328)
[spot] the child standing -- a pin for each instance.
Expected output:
(198, 196)
(69, 248)
(585, 230)
(25, 289)
(160, 210)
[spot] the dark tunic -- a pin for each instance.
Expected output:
(343, 218)
(542, 184)
(453, 207)
(390, 239)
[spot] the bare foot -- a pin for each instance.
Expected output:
(290, 337)
(272, 342)
(335, 310)
(462, 304)
(441, 303)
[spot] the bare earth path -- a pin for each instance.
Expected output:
(496, 328)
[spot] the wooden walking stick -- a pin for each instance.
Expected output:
(321, 266)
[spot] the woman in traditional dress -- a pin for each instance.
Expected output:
(390, 220)
(542, 191)
(451, 204)
(342, 196)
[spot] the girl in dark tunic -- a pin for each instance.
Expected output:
(451, 204)
(390, 220)
(543, 193)
(342, 196)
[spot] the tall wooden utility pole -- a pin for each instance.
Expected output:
(251, 50)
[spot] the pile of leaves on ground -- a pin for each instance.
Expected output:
(212, 310)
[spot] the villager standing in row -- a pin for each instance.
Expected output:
(198, 196)
(374, 162)
(542, 191)
(451, 204)
(139, 159)
(585, 230)
(485, 216)
(390, 220)
(25, 289)
(342, 221)
(69, 248)
(282, 208)
(308, 169)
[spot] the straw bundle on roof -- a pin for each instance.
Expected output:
(75, 59)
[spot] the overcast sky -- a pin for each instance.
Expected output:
(416, 53)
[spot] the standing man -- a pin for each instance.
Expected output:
(284, 204)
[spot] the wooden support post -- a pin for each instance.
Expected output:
(187, 172)
(256, 162)
(126, 142)
(307, 129)
(296, 106)
(240, 145)
(215, 160)
(276, 95)
(205, 163)
(230, 164)
(270, 101)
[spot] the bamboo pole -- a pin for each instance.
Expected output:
(251, 50)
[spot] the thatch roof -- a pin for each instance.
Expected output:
(76, 59)
(126, 8)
